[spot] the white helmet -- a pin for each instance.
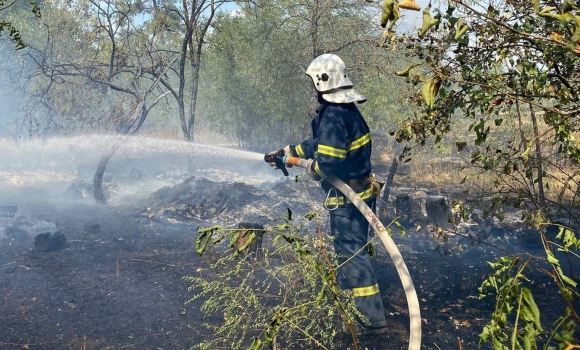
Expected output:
(329, 74)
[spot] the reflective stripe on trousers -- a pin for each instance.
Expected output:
(350, 233)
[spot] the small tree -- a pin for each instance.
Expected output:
(508, 69)
(121, 62)
(289, 297)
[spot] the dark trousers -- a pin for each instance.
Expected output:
(350, 232)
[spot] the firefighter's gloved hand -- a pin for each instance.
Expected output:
(282, 152)
(310, 170)
(287, 154)
(274, 154)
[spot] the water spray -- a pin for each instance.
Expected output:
(375, 222)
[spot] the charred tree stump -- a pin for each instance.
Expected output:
(49, 241)
(438, 211)
(390, 178)
(411, 207)
(382, 210)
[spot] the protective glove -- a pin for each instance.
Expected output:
(284, 152)
(287, 154)
(310, 170)
(272, 155)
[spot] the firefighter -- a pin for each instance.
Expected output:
(341, 145)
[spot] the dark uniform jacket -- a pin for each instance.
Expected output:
(340, 143)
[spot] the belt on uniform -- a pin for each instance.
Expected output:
(365, 187)
(357, 184)
(340, 200)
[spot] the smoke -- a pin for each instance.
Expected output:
(11, 97)
(46, 168)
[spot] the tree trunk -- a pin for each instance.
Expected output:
(523, 143)
(98, 178)
(181, 91)
(194, 90)
(539, 159)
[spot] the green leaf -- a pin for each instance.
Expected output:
(575, 38)
(201, 243)
(405, 72)
(461, 29)
(568, 280)
(309, 216)
(205, 235)
(530, 311)
(568, 5)
(428, 22)
(401, 227)
(283, 227)
(481, 132)
(526, 154)
(450, 10)
(235, 238)
(320, 295)
(249, 239)
(552, 259)
(564, 18)
(430, 89)
(256, 344)
(390, 13)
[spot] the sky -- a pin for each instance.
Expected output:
(410, 19)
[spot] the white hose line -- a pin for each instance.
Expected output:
(404, 275)
(410, 293)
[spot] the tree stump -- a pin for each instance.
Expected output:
(438, 211)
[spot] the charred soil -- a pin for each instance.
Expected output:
(117, 283)
(118, 286)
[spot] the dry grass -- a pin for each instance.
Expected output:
(201, 135)
(434, 172)
(446, 175)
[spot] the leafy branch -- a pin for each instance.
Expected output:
(291, 291)
(14, 33)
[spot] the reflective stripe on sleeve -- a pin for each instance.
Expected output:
(361, 141)
(299, 151)
(317, 169)
(366, 291)
(331, 151)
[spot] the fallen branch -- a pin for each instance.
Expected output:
(154, 262)
(10, 263)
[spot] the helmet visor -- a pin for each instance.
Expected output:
(344, 96)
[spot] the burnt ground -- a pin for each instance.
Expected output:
(117, 283)
(119, 287)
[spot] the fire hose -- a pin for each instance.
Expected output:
(395, 254)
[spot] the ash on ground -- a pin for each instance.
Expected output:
(200, 199)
